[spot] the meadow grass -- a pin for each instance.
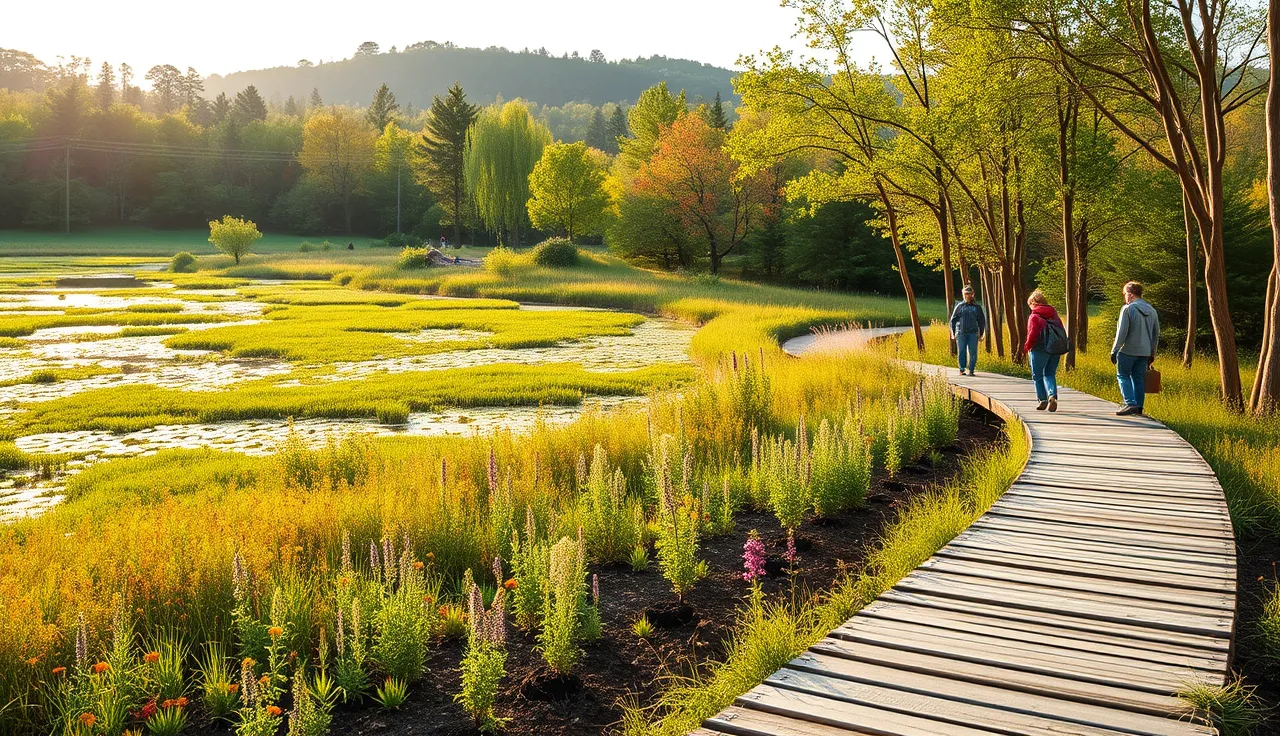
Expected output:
(388, 397)
(22, 325)
(55, 375)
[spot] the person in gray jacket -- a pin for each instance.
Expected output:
(1134, 350)
(968, 326)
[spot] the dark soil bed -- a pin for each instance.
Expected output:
(622, 666)
(1258, 562)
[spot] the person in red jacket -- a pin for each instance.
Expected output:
(1044, 362)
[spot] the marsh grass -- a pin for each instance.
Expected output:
(1231, 709)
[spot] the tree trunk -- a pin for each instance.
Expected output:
(1066, 140)
(1189, 346)
(948, 287)
(1080, 298)
(1265, 395)
(892, 216)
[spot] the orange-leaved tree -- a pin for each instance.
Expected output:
(701, 185)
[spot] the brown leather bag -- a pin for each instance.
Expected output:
(1152, 383)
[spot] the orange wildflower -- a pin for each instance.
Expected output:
(511, 584)
(88, 719)
(59, 670)
(233, 687)
(101, 667)
(33, 661)
(264, 679)
(248, 662)
(444, 610)
(418, 565)
(181, 702)
(151, 657)
(273, 711)
(275, 631)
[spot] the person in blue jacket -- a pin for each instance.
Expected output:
(968, 326)
(1134, 349)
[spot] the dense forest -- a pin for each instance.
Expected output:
(419, 71)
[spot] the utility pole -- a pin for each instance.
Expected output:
(66, 191)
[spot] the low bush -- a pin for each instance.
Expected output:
(556, 253)
(503, 261)
(413, 258)
(182, 262)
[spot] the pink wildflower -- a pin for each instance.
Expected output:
(753, 558)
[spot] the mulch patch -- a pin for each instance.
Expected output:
(1257, 562)
(622, 667)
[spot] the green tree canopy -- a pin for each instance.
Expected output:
(233, 236)
(384, 108)
(442, 149)
(566, 190)
(656, 108)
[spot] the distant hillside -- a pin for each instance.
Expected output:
(416, 74)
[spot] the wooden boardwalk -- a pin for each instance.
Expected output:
(1098, 586)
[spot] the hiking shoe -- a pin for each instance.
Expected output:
(1129, 411)
(1042, 406)
(1053, 403)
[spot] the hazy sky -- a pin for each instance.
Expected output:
(232, 35)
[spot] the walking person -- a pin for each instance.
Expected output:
(968, 326)
(1134, 350)
(1046, 344)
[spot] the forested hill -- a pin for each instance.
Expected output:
(416, 74)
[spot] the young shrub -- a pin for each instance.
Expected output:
(530, 564)
(678, 523)
(251, 635)
(841, 463)
(556, 253)
(392, 693)
(349, 669)
(219, 693)
(182, 262)
(413, 259)
(941, 414)
(609, 519)
(642, 627)
(639, 559)
(562, 606)
(169, 719)
(485, 662)
(592, 629)
(258, 716)
(453, 621)
(165, 663)
(502, 261)
(306, 718)
(403, 625)
(785, 470)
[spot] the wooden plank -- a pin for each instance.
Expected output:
(1053, 528)
(1104, 478)
(1191, 464)
(1148, 499)
(1031, 682)
(1116, 520)
(1035, 630)
(1068, 621)
(1066, 483)
(960, 713)
(1090, 568)
(1102, 719)
(825, 711)
(1021, 656)
(740, 721)
(1165, 616)
(1213, 563)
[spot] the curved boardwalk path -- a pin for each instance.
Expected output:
(1099, 585)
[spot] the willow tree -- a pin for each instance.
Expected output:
(503, 147)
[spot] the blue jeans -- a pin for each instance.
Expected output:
(967, 347)
(1044, 372)
(1131, 372)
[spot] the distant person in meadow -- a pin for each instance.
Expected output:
(968, 326)
(1134, 350)
(1046, 344)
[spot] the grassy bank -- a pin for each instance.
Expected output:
(141, 242)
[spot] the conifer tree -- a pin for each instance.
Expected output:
(221, 108)
(315, 100)
(249, 105)
(384, 108)
(715, 114)
(106, 87)
(618, 128)
(442, 149)
(597, 132)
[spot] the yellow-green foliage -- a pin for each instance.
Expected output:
(19, 325)
(323, 334)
